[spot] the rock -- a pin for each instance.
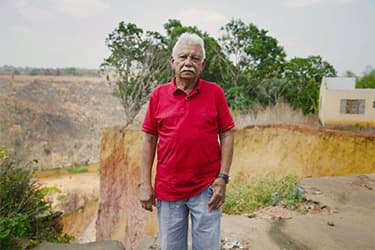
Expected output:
(120, 215)
(98, 245)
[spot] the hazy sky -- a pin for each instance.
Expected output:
(64, 33)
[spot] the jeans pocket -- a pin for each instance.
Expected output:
(210, 191)
(158, 203)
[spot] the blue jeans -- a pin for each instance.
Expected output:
(173, 223)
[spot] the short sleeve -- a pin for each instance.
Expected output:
(149, 122)
(224, 117)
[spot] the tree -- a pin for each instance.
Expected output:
(349, 73)
(253, 51)
(272, 90)
(218, 66)
(367, 80)
(305, 75)
(138, 61)
(256, 57)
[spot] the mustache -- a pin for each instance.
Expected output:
(185, 68)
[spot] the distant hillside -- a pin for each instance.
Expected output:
(69, 71)
(56, 119)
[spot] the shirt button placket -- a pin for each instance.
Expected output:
(186, 103)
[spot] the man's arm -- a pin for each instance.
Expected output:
(147, 195)
(219, 185)
(226, 143)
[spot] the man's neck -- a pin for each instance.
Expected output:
(186, 85)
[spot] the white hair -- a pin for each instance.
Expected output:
(189, 39)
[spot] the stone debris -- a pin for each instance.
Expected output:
(98, 245)
(314, 207)
(364, 181)
(331, 224)
(272, 212)
(315, 191)
(228, 244)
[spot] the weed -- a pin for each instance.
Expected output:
(25, 214)
(77, 168)
(48, 190)
(245, 198)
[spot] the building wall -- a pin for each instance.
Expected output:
(329, 110)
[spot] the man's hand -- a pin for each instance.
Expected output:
(218, 197)
(147, 196)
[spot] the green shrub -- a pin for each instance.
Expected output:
(12, 227)
(245, 198)
(24, 212)
(48, 190)
(77, 168)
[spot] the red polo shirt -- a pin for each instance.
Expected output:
(187, 126)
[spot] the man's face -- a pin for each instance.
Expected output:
(187, 61)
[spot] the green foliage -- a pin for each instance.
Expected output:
(367, 80)
(138, 61)
(47, 190)
(262, 74)
(255, 53)
(24, 213)
(305, 75)
(312, 68)
(218, 66)
(270, 91)
(245, 198)
(77, 168)
(248, 63)
(13, 227)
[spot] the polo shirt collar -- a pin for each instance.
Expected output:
(174, 90)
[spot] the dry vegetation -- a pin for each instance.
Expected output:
(281, 113)
(56, 120)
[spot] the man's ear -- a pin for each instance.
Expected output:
(203, 64)
(171, 61)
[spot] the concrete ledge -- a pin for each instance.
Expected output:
(98, 245)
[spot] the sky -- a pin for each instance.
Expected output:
(71, 33)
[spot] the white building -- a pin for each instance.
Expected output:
(341, 104)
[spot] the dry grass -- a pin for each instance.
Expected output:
(281, 113)
(59, 172)
(45, 78)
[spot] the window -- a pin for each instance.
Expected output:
(352, 106)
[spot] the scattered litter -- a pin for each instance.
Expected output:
(250, 216)
(315, 191)
(233, 244)
(330, 223)
(275, 197)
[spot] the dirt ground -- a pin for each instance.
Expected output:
(341, 216)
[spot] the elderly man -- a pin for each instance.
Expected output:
(184, 119)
